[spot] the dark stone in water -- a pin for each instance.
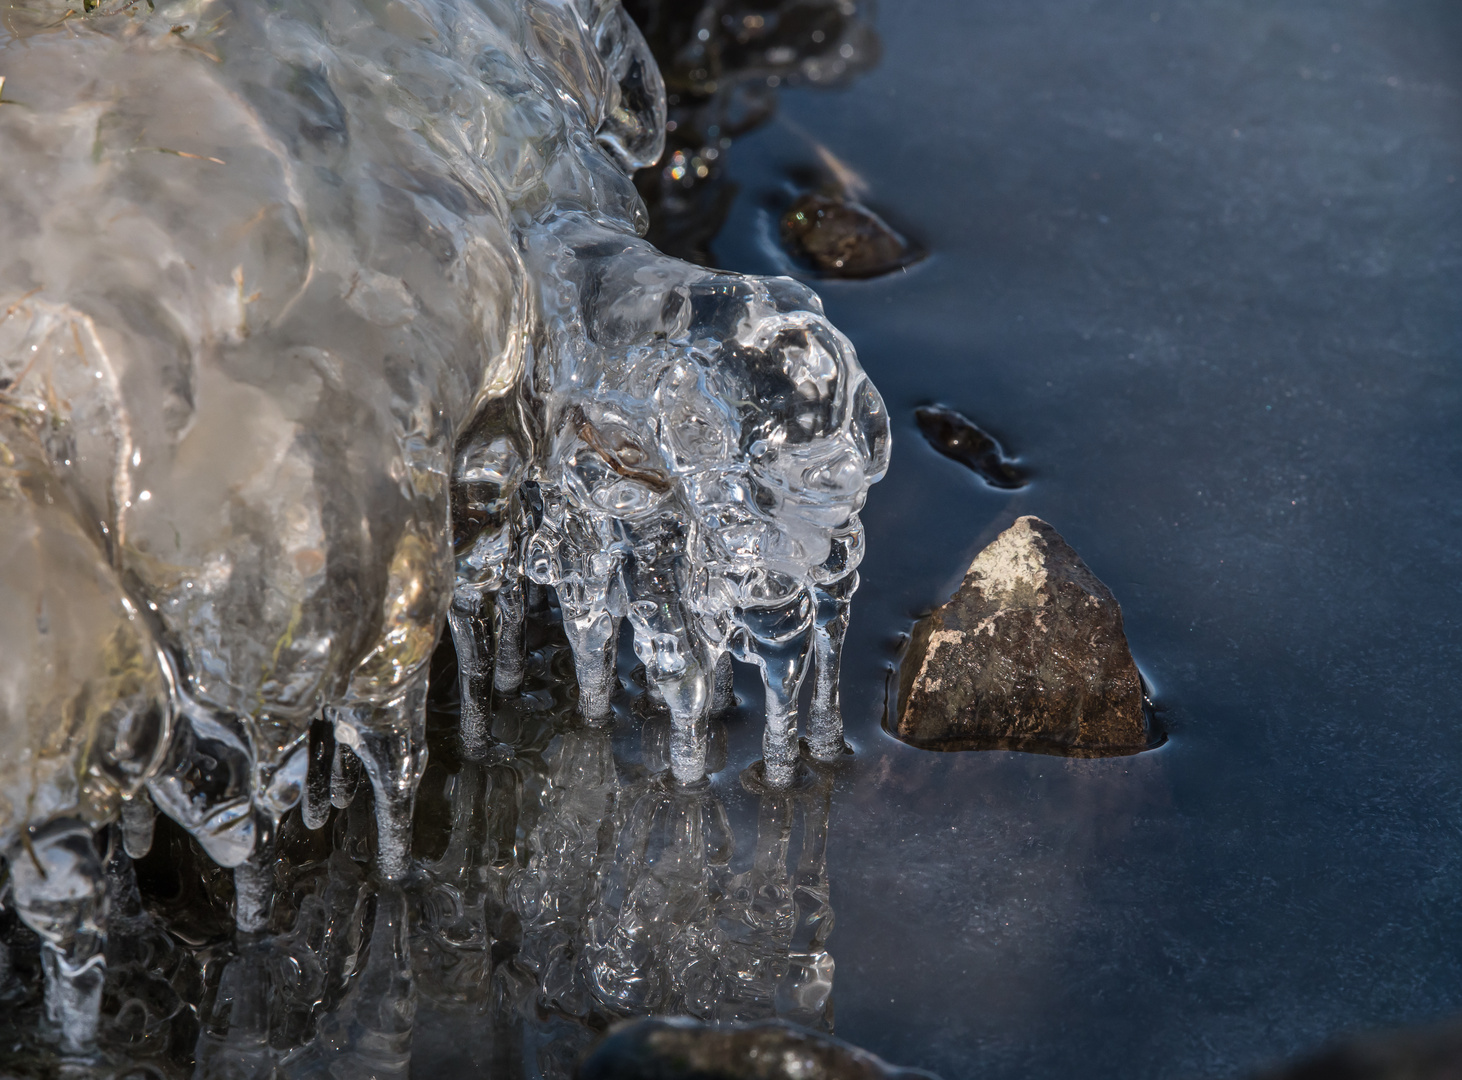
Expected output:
(723, 61)
(1029, 654)
(1429, 1053)
(682, 1049)
(960, 438)
(839, 237)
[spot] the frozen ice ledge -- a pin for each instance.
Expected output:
(325, 323)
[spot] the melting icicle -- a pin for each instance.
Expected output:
(825, 716)
(389, 739)
(344, 776)
(315, 799)
(60, 891)
(777, 640)
(594, 637)
(717, 431)
(487, 526)
(254, 888)
(507, 621)
(471, 634)
(139, 818)
(679, 658)
(206, 783)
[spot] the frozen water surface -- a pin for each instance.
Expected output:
(1196, 266)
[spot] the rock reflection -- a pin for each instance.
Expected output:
(562, 880)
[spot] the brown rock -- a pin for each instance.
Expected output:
(1029, 654)
(840, 237)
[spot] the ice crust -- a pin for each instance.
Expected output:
(321, 321)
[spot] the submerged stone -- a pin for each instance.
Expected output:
(685, 1050)
(1029, 654)
(840, 237)
(960, 439)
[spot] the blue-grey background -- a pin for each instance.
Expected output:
(1200, 265)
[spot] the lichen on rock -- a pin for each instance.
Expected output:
(1029, 654)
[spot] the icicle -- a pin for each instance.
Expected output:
(320, 765)
(390, 740)
(723, 696)
(124, 901)
(139, 818)
(205, 783)
(689, 698)
(777, 640)
(679, 664)
(472, 637)
(344, 776)
(508, 618)
(594, 639)
(825, 718)
(60, 891)
(254, 884)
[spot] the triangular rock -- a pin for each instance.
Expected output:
(1029, 654)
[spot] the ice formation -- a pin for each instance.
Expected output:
(562, 881)
(323, 323)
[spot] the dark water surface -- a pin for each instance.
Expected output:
(1200, 266)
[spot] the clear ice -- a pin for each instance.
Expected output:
(562, 880)
(324, 325)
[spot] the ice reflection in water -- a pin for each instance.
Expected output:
(561, 879)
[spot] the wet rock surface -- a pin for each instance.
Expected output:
(685, 1050)
(838, 236)
(1029, 654)
(960, 439)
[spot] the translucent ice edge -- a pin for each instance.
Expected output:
(321, 326)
